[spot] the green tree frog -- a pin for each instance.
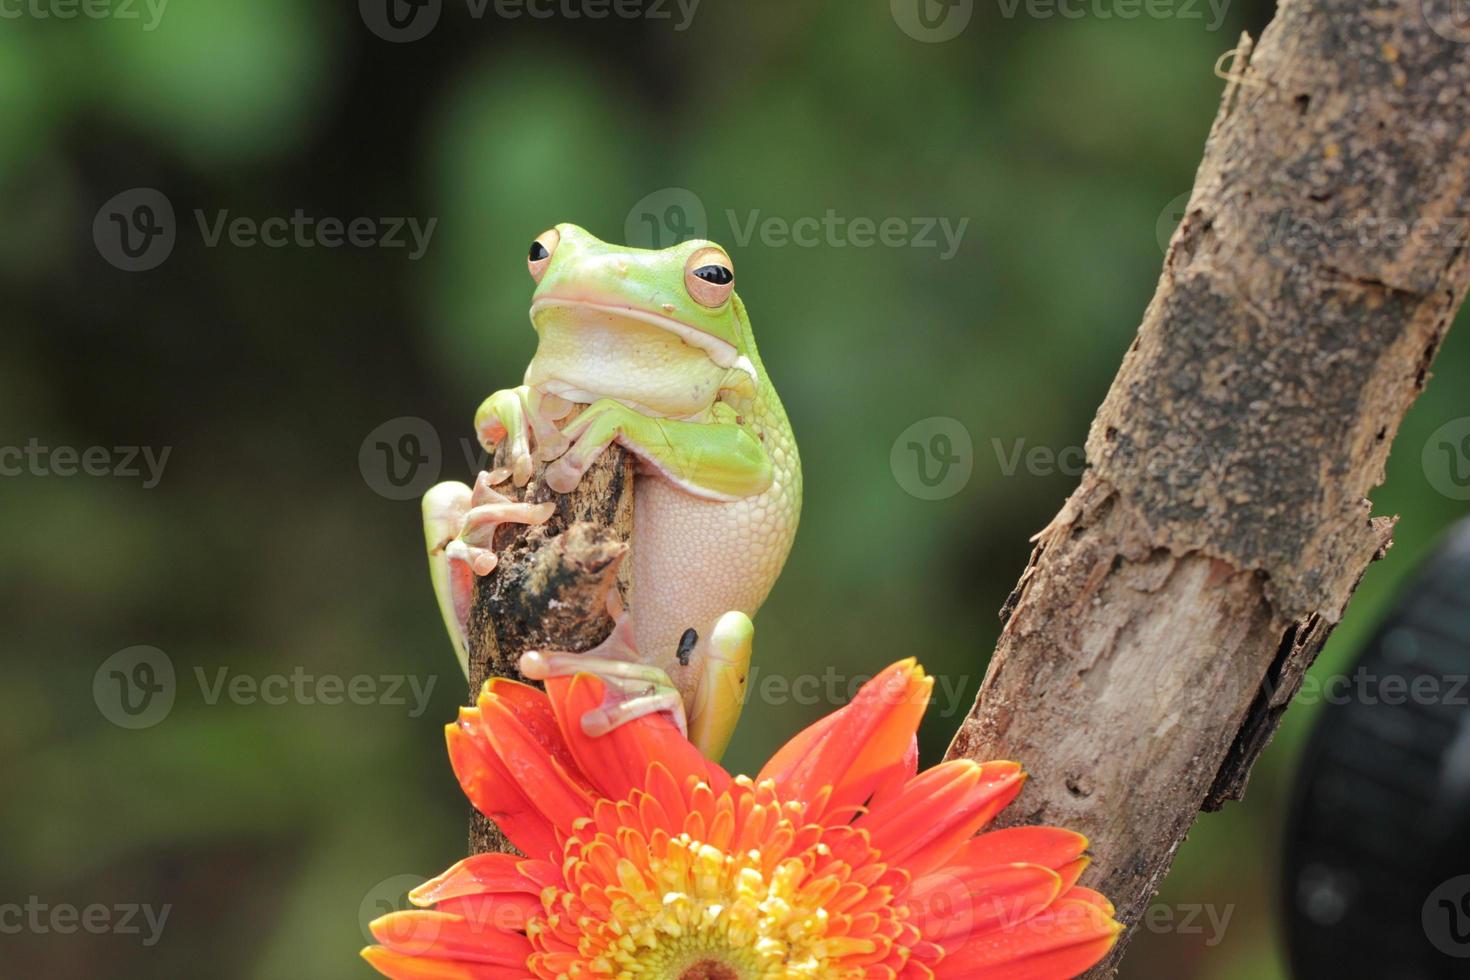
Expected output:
(658, 348)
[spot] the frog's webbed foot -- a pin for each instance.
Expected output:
(459, 529)
(600, 425)
(473, 543)
(632, 689)
(527, 419)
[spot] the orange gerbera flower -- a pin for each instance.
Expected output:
(644, 859)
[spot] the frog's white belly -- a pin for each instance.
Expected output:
(695, 560)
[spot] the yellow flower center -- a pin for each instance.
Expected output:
(720, 899)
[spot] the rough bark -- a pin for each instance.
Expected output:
(549, 590)
(1171, 608)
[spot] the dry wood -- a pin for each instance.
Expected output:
(549, 590)
(1171, 608)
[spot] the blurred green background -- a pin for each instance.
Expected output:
(266, 548)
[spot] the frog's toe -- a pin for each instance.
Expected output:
(632, 690)
(526, 420)
(564, 475)
(489, 509)
(617, 710)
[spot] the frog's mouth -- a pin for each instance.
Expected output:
(721, 352)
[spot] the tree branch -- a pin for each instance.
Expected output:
(549, 590)
(1170, 610)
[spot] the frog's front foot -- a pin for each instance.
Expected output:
(488, 509)
(527, 419)
(633, 689)
(459, 529)
(600, 425)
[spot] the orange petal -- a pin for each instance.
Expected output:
(401, 967)
(477, 875)
(951, 904)
(1066, 940)
(545, 781)
(532, 709)
(893, 780)
(617, 763)
(1095, 899)
(489, 786)
(940, 809)
(806, 741)
(854, 748)
(505, 911)
(444, 936)
(1050, 847)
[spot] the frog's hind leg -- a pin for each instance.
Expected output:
(721, 694)
(632, 689)
(459, 526)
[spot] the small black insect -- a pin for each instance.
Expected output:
(686, 645)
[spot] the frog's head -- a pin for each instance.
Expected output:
(661, 331)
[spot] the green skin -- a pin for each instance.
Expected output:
(664, 361)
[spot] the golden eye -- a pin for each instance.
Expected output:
(710, 277)
(541, 251)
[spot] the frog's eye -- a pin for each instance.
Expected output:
(541, 250)
(710, 277)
